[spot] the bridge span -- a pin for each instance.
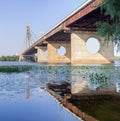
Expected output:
(73, 33)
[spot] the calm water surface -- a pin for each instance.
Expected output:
(21, 96)
(23, 99)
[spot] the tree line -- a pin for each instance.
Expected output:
(110, 31)
(9, 58)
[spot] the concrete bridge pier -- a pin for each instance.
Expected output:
(29, 58)
(21, 58)
(73, 33)
(80, 53)
(41, 55)
(76, 51)
(53, 54)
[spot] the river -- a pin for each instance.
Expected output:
(22, 97)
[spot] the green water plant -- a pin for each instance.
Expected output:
(98, 80)
(16, 69)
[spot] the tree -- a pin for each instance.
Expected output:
(9, 58)
(111, 32)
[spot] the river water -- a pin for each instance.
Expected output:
(22, 97)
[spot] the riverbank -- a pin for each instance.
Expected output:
(92, 107)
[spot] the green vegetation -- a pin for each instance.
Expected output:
(16, 69)
(9, 58)
(16, 58)
(101, 79)
(117, 58)
(111, 32)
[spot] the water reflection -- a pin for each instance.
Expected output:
(27, 92)
(81, 78)
(36, 110)
(85, 79)
(96, 78)
(21, 91)
(13, 105)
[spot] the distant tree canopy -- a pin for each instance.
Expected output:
(16, 58)
(9, 58)
(111, 32)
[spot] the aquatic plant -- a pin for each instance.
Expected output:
(98, 80)
(16, 69)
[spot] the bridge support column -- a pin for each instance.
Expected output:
(54, 57)
(29, 58)
(41, 54)
(21, 58)
(80, 54)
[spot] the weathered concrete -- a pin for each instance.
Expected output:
(76, 50)
(80, 54)
(21, 57)
(41, 54)
(54, 57)
(83, 20)
(79, 26)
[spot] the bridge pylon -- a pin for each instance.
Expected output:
(28, 41)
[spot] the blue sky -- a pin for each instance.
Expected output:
(41, 15)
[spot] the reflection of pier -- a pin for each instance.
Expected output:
(117, 87)
(82, 80)
(27, 93)
(82, 97)
(80, 86)
(92, 82)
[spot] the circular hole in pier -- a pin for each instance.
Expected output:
(61, 51)
(93, 45)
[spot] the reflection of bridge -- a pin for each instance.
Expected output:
(73, 33)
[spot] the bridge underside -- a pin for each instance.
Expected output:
(73, 37)
(76, 50)
(89, 21)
